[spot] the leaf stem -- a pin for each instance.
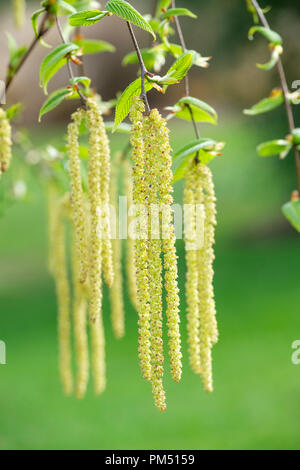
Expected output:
(42, 31)
(285, 89)
(70, 70)
(144, 71)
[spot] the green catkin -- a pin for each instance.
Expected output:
(5, 142)
(98, 356)
(95, 242)
(63, 299)
(77, 209)
(141, 243)
(155, 265)
(116, 291)
(51, 212)
(97, 127)
(208, 326)
(80, 329)
(130, 255)
(19, 8)
(192, 278)
(168, 243)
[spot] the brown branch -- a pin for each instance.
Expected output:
(144, 71)
(70, 70)
(42, 31)
(186, 79)
(285, 90)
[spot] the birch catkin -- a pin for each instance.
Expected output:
(116, 291)
(130, 255)
(192, 277)
(63, 298)
(101, 145)
(152, 168)
(98, 355)
(168, 243)
(19, 8)
(78, 214)
(208, 325)
(5, 142)
(80, 329)
(141, 243)
(95, 243)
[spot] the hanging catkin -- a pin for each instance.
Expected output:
(5, 142)
(80, 328)
(63, 297)
(95, 247)
(152, 168)
(208, 325)
(140, 193)
(19, 8)
(168, 243)
(192, 278)
(130, 255)
(116, 291)
(96, 127)
(78, 213)
(95, 242)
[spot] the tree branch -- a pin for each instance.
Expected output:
(70, 70)
(144, 71)
(285, 90)
(42, 31)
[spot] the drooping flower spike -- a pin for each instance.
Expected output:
(5, 142)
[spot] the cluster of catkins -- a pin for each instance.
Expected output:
(91, 253)
(199, 194)
(5, 142)
(154, 247)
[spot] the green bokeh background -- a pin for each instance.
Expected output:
(255, 404)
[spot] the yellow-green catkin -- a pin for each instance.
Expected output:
(98, 355)
(168, 243)
(52, 208)
(141, 242)
(152, 168)
(63, 298)
(5, 142)
(77, 206)
(98, 138)
(95, 242)
(80, 328)
(130, 255)
(208, 325)
(116, 291)
(19, 8)
(192, 278)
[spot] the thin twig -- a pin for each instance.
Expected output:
(70, 70)
(285, 89)
(186, 79)
(144, 71)
(42, 31)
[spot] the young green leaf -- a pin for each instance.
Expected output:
(201, 110)
(125, 101)
(178, 12)
(182, 158)
(65, 8)
(267, 104)
(296, 136)
(181, 67)
(274, 147)
(125, 11)
(162, 6)
(54, 61)
(87, 17)
(94, 46)
(85, 81)
(54, 100)
(271, 36)
(291, 211)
